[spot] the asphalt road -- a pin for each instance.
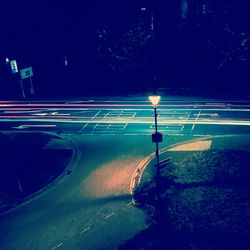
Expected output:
(126, 117)
(92, 208)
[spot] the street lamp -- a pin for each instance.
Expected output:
(156, 137)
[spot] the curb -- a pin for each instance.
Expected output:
(137, 175)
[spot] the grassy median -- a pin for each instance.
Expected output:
(27, 165)
(199, 201)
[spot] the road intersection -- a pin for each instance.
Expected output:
(91, 208)
(103, 117)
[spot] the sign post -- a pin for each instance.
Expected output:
(25, 74)
(23, 93)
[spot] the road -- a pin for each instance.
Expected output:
(126, 117)
(92, 208)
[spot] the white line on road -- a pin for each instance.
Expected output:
(57, 246)
(130, 203)
(125, 127)
(96, 115)
(85, 230)
(182, 128)
(196, 120)
(109, 216)
(83, 127)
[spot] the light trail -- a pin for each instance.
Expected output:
(103, 114)
(6, 110)
(133, 121)
(35, 126)
(18, 111)
(119, 105)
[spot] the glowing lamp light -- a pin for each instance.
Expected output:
(154, 99)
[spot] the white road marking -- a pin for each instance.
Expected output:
(196, 120)
(182, 128)
(110, 126)
(57, 246)
(120, 113)
(96, 115)
(125, 126)
(108, 216)
(171, 126)
(171, 130)
(134, 115)
(130, 203)
(83, 127)
(172, 113)
(85, 230)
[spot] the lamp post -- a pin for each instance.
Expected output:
(156, 137)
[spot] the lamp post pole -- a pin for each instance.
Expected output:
(156, 137)
(156, 143)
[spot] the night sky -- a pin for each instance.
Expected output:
(109, 45)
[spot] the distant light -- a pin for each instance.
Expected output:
(65, 62)
(154, 99)
(143, 9)
(7, 60)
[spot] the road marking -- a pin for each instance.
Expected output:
(110, 126)
(108, 216)
(83, 127)
(196, 120)
(182, 128)
(119, 113)
(85, 230)
(35, 126)
(57, 246)
(171, 130)
(130, 203)
(125, 126)
(96, 115)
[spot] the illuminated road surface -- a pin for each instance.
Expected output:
(127, 117)
(91, 208)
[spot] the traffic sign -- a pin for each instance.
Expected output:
(26, 73)
(157, 137)
(13, 66)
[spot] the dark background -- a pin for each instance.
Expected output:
(110, 46)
